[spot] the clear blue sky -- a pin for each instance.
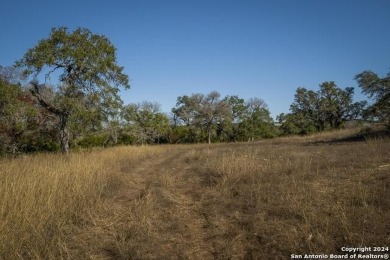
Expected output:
(263, 49)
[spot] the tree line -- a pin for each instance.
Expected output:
(84, 109)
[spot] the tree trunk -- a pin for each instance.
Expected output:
(64, 133)
(14, 149)
(63, 114)
(209, 135)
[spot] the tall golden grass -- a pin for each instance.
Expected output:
(47, 200)
(261, 200)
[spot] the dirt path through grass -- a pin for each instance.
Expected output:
(262, 200)
(167, 190)
(245, 201)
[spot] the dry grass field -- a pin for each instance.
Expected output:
(259, 200)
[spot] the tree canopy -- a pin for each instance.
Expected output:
(228, 119)
(89, 77)
(145, 122)
(316, 111)
(379, 89)
(73, 100)
(201, 111)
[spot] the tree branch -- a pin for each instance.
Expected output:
(47, 75)
(36, 93)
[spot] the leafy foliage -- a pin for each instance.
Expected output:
(89, 78)
(24, 127)
(77, 103)
(327, 108)
(228, 119)
(378, 89)
(145, 122)
(202, 111)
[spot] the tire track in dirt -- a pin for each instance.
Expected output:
(175, 185)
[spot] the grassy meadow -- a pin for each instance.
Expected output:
(260, 200)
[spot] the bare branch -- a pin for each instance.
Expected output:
(36, 93)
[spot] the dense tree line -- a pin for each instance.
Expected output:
(208, 117)
(84, 109)
(315, 111)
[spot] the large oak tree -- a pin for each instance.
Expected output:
(89, 78)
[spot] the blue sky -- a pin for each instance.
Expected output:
(264, 49)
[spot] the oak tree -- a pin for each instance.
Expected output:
(145, 121)
(88, 77)
(202, 111)
(379, 89)
(327, 108)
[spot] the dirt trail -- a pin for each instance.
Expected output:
(173, 186)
